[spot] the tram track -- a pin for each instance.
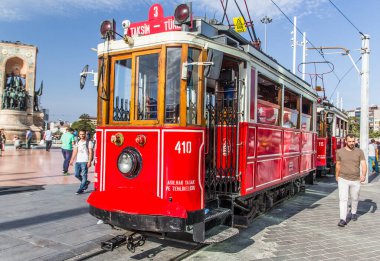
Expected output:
(123, 253)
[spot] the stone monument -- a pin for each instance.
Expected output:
(19, 99)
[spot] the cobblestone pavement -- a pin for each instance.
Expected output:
(305, 228)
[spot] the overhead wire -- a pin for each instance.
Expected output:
(308, 40)
(346, 17)
(242, 15)
(348, 71)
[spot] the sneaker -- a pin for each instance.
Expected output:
(86, 186)
(80, 191)
(66, 173)
(354, 217)
(342, 223)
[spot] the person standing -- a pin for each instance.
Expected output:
(2, 142)
(48, 137)
(83, 154)
(372, 151)
(68, 141)
(28, 138)
(349, 159)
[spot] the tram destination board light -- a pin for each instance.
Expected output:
(182, 14)
(107, 29)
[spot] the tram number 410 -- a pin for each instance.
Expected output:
(183, 147)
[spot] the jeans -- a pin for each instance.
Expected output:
(370, 160)
(81, 173)
(48, 144)
(28, 142)
(66, 156)
(345, 186)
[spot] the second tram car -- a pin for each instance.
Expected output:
(196, 127)
(332, 127)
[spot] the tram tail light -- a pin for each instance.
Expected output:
(319, 100)
(108, 29)
(182, 14)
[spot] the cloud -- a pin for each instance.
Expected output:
(16, 10)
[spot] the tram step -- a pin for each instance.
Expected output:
(217, 213)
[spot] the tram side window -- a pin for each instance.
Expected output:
(192, 86)
(307, 114)
(173, 62)
(267, 101)
(122, 90)
(291, 112)
(146, 87)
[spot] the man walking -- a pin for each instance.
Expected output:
(28, 138)
(83, 153)
(372, 151)
(48, 136)
(347, 173)
(68, 141)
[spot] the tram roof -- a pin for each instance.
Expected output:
(210, 35)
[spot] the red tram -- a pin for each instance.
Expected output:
(196, 127)
(332, 127)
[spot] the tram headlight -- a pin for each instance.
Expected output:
(129, 162)
(107, 29)
(182, 14)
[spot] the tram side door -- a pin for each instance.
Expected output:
(221, 121)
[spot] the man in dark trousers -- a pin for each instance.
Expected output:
(349, 159)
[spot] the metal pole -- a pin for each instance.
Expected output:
(294, 44)
(265, 37)
(265, 20)
(364, 100)
(303, 55)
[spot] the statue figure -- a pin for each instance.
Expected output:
(37, 94)
(14, 96)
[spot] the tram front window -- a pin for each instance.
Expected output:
(122, 87)
(146, 86)
(192, 86)
(173, 62)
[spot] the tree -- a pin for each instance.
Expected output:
(354, 127)
(84, 123)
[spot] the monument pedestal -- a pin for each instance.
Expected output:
(16, 123)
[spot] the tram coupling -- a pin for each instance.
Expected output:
(134, 240)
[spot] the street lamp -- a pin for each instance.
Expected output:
(266, 20)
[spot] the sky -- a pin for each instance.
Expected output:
(65, 31)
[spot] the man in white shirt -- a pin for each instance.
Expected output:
(48, 136)
(372, 151)
(83, 153)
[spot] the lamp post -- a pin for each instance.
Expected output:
(265, 20)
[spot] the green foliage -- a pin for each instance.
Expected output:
(354, 127)
(374, 134)
(83, 123)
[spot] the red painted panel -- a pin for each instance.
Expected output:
(267, 172)
(251, 142)
(183, 176)
(249, 179)
(333, 148)
(291, 142)
(307, 142)
(165, 186)
(321, 152)
(97, 158)
(226, 147)
(269, 142)
(291, 166)
(306, 162)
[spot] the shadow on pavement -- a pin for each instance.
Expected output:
(42, 218)
(277, 215)
(19, 189)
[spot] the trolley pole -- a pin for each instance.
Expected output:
(364, 129)
(304, 55)
(294, 44)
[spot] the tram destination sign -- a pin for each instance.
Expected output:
(156, 23)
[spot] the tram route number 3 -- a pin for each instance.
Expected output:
(183, 147)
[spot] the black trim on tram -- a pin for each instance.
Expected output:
(151, 223)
